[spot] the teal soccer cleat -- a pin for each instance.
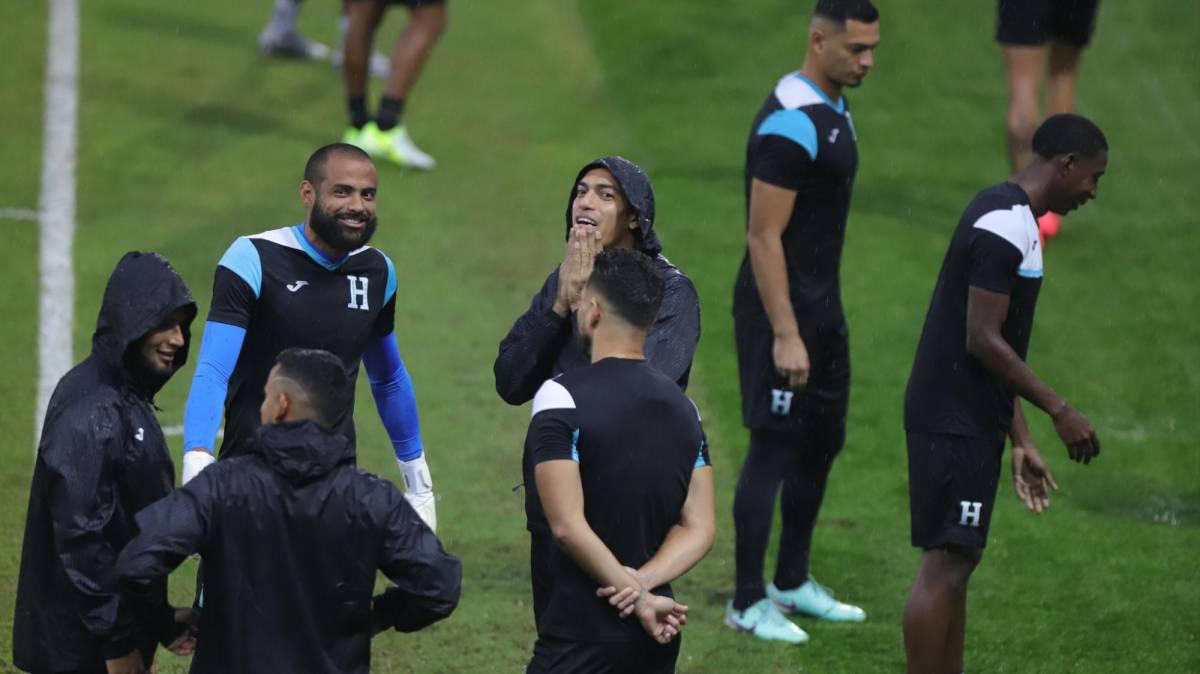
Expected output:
(815, 600)
(763, 620)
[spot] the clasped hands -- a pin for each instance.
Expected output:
(662, 617)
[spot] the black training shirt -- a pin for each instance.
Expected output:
(996, 248)
(637, 439)
(803, 141)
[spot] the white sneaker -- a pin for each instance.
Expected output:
(291, 44)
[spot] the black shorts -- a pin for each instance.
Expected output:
(552, 655)
(543, 570)
(952, 483)
(416, 4)
(819, 409)
(1036, 22)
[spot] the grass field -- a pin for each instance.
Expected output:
(188, 138)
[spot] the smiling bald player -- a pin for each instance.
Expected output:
(315, 285)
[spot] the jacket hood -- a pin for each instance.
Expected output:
(635, 186)
(142, 291)
(302, 451)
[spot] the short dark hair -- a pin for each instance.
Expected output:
(628, 280)
(841, 11)
(323, 378)
(1068, 133)
(314, 168)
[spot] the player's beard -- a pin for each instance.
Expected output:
(146, 374)
(325, 225)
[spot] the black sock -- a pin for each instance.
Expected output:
(803, 491)
(390, 112)
(358, 111)
(770, 459)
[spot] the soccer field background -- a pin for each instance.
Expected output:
(188, 138)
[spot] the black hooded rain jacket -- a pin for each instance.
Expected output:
(292, 535)
(102, 458)
(541, 344)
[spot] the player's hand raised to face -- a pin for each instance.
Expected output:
(791, 360)
(583, 244)
(1077, 434)
(1032, 478)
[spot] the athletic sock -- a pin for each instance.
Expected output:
(390, 112)
(770, 458)
(358, 111)
(283, 19)
(800, 502)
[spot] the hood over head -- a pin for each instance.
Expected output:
(302, 451)
(635, 186)
(142, 292)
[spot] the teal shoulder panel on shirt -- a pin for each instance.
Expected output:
(795, 125)
(390, 292)
(242, 259)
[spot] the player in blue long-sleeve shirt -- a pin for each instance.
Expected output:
(313, 285)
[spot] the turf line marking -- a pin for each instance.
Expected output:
(23, 214)
(176, 431)
(56, 203)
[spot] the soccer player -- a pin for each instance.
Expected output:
(292, 535)
(626, 483)
(386, 136)
(611, 206)
(102, 457)
(964, 393)
(792, 340)
(281, 37)
(1032, 33)
(314, 285)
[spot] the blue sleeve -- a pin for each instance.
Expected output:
(394, 397)
(795, 125)
(219, 351)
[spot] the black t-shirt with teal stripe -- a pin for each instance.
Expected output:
(285, 293)
(995, 247)
(803, 141)
(637, 438)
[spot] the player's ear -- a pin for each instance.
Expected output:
(590, 313)
(282, 409)
(308, 194)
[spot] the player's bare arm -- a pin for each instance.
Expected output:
(986, 311)
(561, 493)
(1032, 478)
(685, 545)
(770, 209)
(690, 540)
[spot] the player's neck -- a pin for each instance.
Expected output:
(618, 343)
(1034, 179)
(814, 75)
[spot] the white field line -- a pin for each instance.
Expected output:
(177, 430)
(56, 203)
(25, 214)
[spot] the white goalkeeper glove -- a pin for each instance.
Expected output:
(194, 461)
(418, 489)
